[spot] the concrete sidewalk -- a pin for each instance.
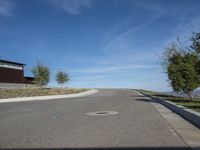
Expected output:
(19, 99)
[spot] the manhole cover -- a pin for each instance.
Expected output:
(102, 113)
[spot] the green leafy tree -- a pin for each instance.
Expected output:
(196, 47)
(182, 65)
(41, 74)
(62, 77)
(182, 72)
(196, 42)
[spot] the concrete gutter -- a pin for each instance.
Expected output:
(188, 114)
(19, 99)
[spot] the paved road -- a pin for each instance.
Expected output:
(64, 124)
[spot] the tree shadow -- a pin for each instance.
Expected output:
(166, 96)
(137, 95)
(146, 100)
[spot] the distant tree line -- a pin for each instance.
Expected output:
(182, 65)
(42, 74)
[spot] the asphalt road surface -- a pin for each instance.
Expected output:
(64, 123)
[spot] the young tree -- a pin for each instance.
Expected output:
(196, 42)
(196, 47)
(62, 77)
(182, 65)
(182, 72)
(41, 74)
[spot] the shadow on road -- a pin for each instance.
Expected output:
(137, 96)
(146, 100)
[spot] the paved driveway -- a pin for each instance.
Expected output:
(63, 123)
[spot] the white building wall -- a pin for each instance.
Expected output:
(11, 66)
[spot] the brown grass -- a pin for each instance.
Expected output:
(27, 92)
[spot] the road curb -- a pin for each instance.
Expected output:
(188, 114)
(22, 99)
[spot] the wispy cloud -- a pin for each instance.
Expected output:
(6, 8)
(186, 29)
(122, 37)
(149, 5)
(72, 7)
(107, 69)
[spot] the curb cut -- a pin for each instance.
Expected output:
(188, 114)
(49, 97)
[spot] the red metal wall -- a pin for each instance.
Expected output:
(8, 75)
(28, 80)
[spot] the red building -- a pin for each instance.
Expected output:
(13, 72)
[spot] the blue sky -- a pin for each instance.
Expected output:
(100, 43)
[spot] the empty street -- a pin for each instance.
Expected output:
(73, 123)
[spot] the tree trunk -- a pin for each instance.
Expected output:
(190, 95)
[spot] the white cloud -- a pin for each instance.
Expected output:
(150, 5)
(72, 7)
(107, 69)
(186, 29)
(6, 8)
(121, 39)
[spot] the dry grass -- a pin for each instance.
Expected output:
(192, 104)
(27, 92)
